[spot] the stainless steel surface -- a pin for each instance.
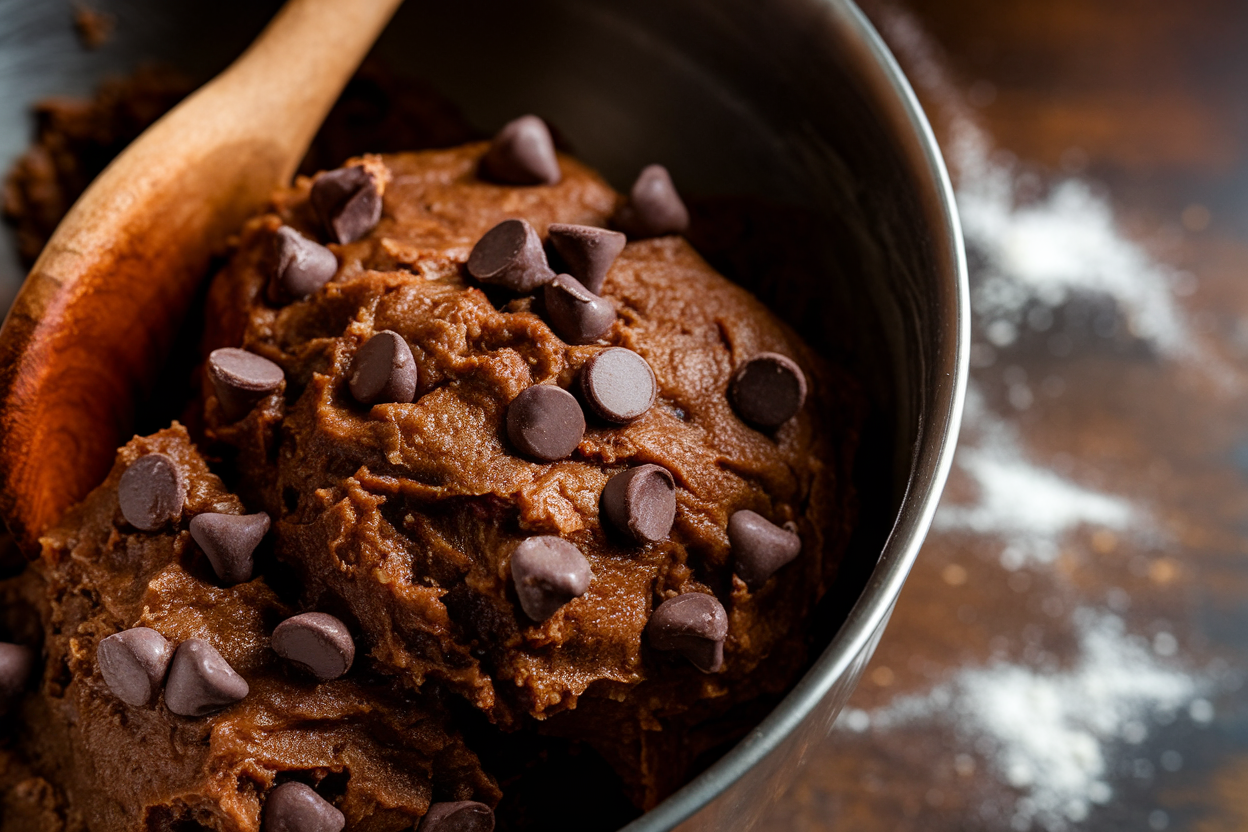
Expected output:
(794, 101)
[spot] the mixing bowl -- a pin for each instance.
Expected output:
(794, 105)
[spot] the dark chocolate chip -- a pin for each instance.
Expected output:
(510, 255)
(383, 370)
(458, 816)
(229, 540)
(16, 663)
(133, 664)
(201, 680)
(767, 390)
(303, 266)
(641, 502)
(295, 807)
(618, 385)
(577, 315)
(348, 202)
(319, 642)
(694, 625)
(522, 154)
(588, 251)
(151, 492)
(545, 422)
(759, 547)
(654, 207)
(548, 572)
(240, 379)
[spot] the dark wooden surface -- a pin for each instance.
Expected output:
(1069, 651)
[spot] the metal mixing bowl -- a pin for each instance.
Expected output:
(796, 102)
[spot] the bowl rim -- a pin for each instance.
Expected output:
(870, 612)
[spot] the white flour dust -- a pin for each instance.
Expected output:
(1057, 737)
(1029, 507)
(1038, 252)
(1047, 733)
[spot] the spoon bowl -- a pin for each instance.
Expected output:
(95, 319)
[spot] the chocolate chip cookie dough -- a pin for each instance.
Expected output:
(167, 702)
(496, 454)
(513, 482)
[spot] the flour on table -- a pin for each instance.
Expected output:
(1049, 733)
(1031, 508)
(1039, 252)
(1054, 737)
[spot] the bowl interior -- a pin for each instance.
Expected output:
(778, 112)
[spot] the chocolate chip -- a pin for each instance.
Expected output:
(133, 664)
(588, 251)
(641, 502)
(510, 255)
(201, 681)
(458, 816)
(303, 266)
(618, 385)
(577, 315)
(654, 207)
(348, 202)
(16, 663)
(522, 154)
(295, 807)
(767, 390)
(229, 540)
(545, 422)
(759, 547)
(548, 572)
(151, 492)
(240, 379)
(383, 370)
(319, 642)
(694, 625)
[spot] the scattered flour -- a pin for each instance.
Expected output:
(1041, 251)
(1048, 732)
(1029, 507)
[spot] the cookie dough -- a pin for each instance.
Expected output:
(406, 513)
(381, 755)
(511, 497)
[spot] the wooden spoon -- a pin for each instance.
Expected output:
(98, 313)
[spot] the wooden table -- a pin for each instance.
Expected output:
(1069, 652)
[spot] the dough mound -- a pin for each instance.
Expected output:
(382, 755)
(400, 518)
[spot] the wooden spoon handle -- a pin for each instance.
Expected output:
(95, 319)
